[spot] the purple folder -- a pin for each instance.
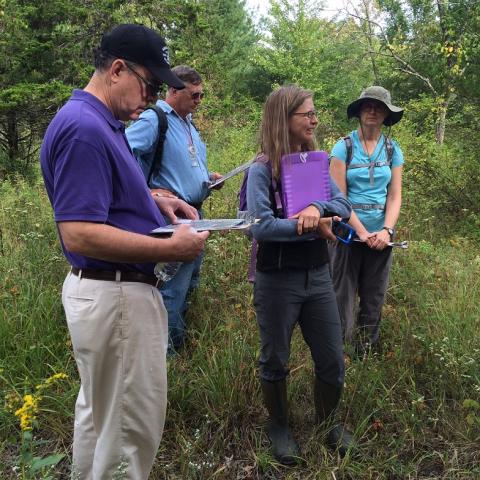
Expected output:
(305, 178)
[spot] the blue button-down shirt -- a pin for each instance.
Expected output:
(180, 173)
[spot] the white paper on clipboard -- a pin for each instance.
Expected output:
(215, 224)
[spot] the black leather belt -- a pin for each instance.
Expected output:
(117, 276)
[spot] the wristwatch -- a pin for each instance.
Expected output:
(391, 231)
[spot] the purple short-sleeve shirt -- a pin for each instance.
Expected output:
(91, 175)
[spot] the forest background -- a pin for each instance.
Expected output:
(415, 407)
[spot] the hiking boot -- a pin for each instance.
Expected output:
(339, 438)
(327, 398)
(284, 446)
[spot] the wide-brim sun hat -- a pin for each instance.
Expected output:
(381, 95)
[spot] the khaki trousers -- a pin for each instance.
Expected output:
(119, 337)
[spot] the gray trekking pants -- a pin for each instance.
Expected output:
(358, 269)
(287, 297)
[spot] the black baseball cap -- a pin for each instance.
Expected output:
(141, 45)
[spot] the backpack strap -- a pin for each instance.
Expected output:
(275, 187)
(278, 198)
(349, 147)
(162, 132)
(389, 148)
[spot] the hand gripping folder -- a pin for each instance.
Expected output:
(305, 178)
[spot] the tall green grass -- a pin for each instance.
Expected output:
(406, 405)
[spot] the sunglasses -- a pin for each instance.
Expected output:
(198, 95)
(153, 89)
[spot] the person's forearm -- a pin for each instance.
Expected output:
(108, 243)
(394, 198)
(392, 210)
(357, 224)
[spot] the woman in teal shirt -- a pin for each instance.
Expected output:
(367, 166)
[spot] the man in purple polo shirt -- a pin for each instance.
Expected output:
(104, 212)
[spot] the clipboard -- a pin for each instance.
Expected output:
(241, 168)
(305, 178)
(215, 224)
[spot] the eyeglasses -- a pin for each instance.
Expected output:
(376, 107)
(198, 95)
(310, 114)
(153, 89)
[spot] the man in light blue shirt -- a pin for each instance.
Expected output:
(182, 173)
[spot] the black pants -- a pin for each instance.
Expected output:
(283, 298)
(357, 269)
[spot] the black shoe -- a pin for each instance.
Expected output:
(327, 397)
(339, 438)
(284, 446)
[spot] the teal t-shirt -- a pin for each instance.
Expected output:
(359, 188)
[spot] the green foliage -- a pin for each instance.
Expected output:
(46, 48)
(434, 45)
(44, 59)
(218, 41)
(31, 466)
(439, 181)
(25, 111)
(305, 49)
(413, 407)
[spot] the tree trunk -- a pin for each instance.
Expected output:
(442, 115)
(370, 34)
(12, 139)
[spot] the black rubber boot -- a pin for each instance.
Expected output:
(327, 398)
(284, 446)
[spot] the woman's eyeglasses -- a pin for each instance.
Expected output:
(310, 114)
(153, 89)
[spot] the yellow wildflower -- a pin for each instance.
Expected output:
(51, 380)
(12, 400)
(27, 412)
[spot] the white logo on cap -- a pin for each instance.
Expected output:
(165, 55)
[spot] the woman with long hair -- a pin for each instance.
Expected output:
(292, 283)
(367, 166)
